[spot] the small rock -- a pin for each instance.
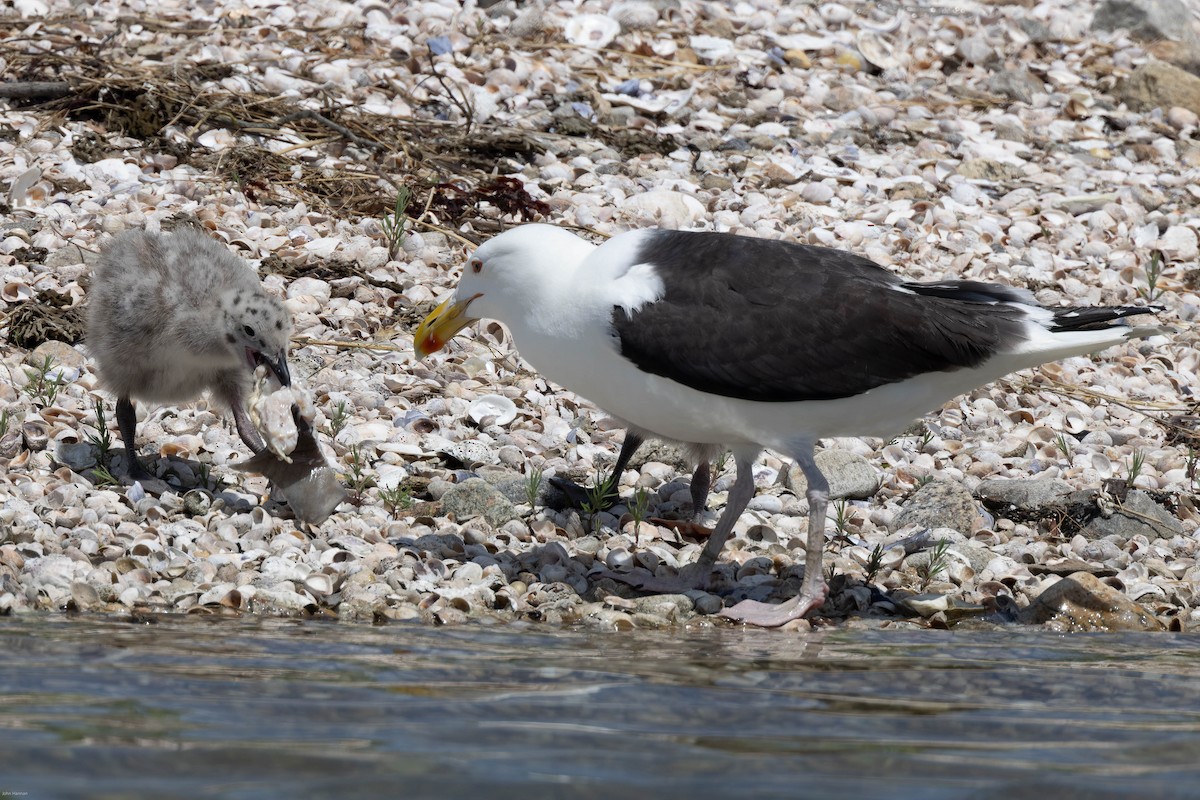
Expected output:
(675, 607)
(1147, 20)
(939, 504)
(1081, 603)
(706, 603)
(850, 476)
(1180, 118)
(475, 497)
(79, 456)
(1179, 243)
(1137, 515)
(85, 597)
(1157, 84)
(196, 503)
(1029, 495)
(1018, 85)
(988, 170)
(60, 354)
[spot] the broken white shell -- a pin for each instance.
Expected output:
(591, 30)
(493, 405)
(877, 50)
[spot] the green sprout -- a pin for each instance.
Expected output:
(394, 225)
(533, 485)
(204, 474)
(40, 387)
(599, 492)
(874, 563)
(1153, 272)
(638, 510)
(842, 514)
(1060, 442)
(101, 476)
(356, 476)
(338, 419)
(926, 437)
(396, 499)
(1136, 462)
(101, 440)
(936, 564)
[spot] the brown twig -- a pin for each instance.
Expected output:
(35, 90)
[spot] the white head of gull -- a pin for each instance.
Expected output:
(730, 342)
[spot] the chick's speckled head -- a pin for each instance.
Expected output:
(257, 325)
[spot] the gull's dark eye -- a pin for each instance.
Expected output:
(476, 265)
(249, 331)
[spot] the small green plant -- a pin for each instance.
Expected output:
(102, 477)
(1060, 443)
(638, 510)
(101, 439)
(599, 493)
(936, 564)
(1153, 272)
(204, 475)
(533, 485)
(722, 463)
(356, 475)
(874, 563)
(923, 479)
(1189, 464)
(5, 421)
(396, 499)
(1136, 462)
(926, 437)
(395, 224)
(842, 514)
(41, 387)
(338, 419)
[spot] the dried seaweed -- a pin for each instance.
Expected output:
(43, 319)
(507, 195)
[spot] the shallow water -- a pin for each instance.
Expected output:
(258, 708)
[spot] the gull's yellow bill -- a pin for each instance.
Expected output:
(440, 326)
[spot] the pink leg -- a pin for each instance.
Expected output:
(813, 588)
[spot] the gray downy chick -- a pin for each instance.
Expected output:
(172, 316)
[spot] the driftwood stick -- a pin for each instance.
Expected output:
(327, 122)
(35, 90)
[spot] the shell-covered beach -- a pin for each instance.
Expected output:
(355, 153)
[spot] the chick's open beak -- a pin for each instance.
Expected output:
(278, 364)
(440, 326)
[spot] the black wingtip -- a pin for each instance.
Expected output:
(1082, 318)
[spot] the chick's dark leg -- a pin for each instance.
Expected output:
(127, 424)
(697, 575)
(701, 483)
(692, 528)
(232, 394)
(577, 496)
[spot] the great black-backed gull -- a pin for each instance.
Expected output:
(730, 342)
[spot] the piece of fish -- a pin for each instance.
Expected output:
(306, 481)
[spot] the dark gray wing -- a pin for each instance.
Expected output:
(778, 322)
